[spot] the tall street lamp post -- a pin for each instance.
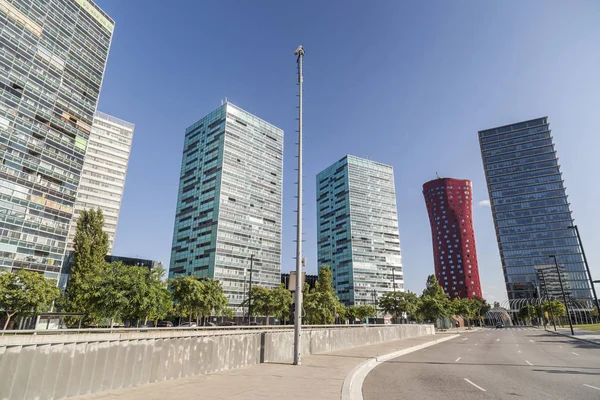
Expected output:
(298, 311)
(587, 267)
(250, 289)
(562, 289)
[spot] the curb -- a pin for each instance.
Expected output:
(352, 387)
(573, 337)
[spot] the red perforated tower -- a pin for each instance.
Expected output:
(449, 204)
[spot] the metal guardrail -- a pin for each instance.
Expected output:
(55, 332)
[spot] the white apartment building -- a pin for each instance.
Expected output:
(103, 174)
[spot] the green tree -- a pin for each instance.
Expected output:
(90, 248)
(397, 303)
(113, 294)
(527, 313)
(594, 313)
(321, 304)
(147, 293)
(187, 293)
(282, 301)
(555, 308)
(262, 302)
(25, 293)
(361, 312)
(433, 303)
(212, 298)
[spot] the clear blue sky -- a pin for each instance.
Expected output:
(404, 83)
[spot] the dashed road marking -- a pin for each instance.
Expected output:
(574, 353)
(528, 362)
(458, 359)
(469, 349)
(519, 351)
(560, 346)
(497, 340)
(531, 340)
(477, 386)
(590, 386)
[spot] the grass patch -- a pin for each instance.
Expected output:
(588, 327)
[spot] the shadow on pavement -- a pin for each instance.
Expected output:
(559, 371)
(454, 364)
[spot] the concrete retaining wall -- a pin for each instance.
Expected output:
(60, 366)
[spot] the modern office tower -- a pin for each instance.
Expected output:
(449, 205)
(228, 217)
(52, 60)
(103, 174)
(358, 229)
(530, 208)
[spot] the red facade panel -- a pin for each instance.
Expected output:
(449, 205)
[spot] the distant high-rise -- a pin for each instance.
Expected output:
(530, 208)
(358, 229)
(229, 202)
(53, 55)
(449, 205)
(103, 173)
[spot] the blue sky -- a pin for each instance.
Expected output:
(404, 83)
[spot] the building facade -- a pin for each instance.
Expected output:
(134, 261)
(449, 205)
(358, 229)
(52, 60)
(529, 204)
(229, 202)
(103, 173)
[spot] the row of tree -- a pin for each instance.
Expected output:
(550, 311)
(432, 304)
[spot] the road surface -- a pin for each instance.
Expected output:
(509, 363)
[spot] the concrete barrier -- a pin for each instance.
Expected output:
(59, 366)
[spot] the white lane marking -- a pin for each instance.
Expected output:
(464, 339)
(590, 386)
(458, 359)
(476, 344)
(353, 383)
(497, 340)
(478, 387)
(560, 346)
(528, 362)
(574, 353)
(519, 351)
(531, 340)
(517, 345)
(469, 349)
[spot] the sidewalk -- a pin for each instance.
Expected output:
(588, 336)
(320, 377)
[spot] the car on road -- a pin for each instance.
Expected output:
(164, 324)
(188, 325)
(499, 325)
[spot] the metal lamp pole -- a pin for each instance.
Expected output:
(250, 289)
(394, 286)
(587, 267)
(298, 312)
(562, 289)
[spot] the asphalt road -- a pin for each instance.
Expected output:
(508, 363)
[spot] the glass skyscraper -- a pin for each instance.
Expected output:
(103, 173)
(358, 229)
(229, 202)
(530, 209)
(52, 60)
